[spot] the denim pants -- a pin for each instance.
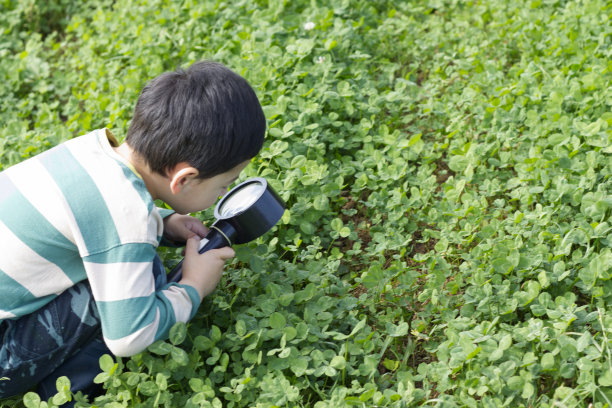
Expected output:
(63, 338)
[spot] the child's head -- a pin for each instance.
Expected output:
(206, 115)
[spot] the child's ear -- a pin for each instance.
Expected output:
(181, 175)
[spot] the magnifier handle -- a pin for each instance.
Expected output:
(213, 240)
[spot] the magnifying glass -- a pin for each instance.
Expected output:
(246, 212)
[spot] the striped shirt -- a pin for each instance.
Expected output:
(79, 211)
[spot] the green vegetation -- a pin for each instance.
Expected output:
(447, 168)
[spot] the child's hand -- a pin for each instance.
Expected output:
(179, 228)
(203, 271)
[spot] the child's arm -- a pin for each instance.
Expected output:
(133, 312)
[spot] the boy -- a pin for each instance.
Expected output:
(79, 229)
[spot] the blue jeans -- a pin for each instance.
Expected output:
(63, 338)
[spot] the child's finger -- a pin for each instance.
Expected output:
(224, 253)
(197, 227)
(192, 246)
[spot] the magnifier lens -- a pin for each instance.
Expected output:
(241, 199)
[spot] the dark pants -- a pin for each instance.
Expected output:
(63, 338)
(37, 346)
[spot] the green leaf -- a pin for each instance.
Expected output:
(31, 400)
(298, 366)
(458, 163)
(60, 399)
(215, 334)
(528, 390)
(605, 380)
(583, 342)
(338, 362)
(502, 265)
(107, 364)
(277, 320)
(344, 232)
(240, 328)
(505, 342)
(397, 331)
(367, 395)
(298, 161)
(160, 347)
(203, 343)
(358, 327)
(179, 356)
(336, 224)
(391, 365)
(588, 276)
(178, 332)
(196, 384)
(515, 383)
(149, 388)
(548, 361)
(62, 384)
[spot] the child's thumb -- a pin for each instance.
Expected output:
(224, 253)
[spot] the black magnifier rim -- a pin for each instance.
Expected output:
(230, 193)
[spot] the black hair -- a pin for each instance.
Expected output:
(206, 115)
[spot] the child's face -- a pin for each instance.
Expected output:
(199, 194)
